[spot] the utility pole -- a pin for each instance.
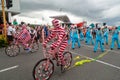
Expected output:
(4, 18)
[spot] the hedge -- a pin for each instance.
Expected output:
(3, 42)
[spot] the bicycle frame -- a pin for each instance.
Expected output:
(48, 53)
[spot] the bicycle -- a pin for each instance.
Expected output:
(13, 49)
(44, 68)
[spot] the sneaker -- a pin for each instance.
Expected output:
(106, 43)
(73, 48)
(111, 48)
(25, 48)
(102, 51)
(118, 48)
(28, 50)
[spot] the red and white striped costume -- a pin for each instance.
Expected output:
(61, 41)
(24, 36)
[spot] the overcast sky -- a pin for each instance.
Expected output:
(91, 10)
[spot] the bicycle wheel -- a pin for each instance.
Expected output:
(12, 50)
(41, 72)
(68, 61)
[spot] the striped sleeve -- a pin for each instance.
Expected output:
(49, 37)
(61, 36)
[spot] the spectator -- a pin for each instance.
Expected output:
(10, 33)
(15, 23)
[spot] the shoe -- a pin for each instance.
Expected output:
(111, 48)
(94, 51)
(73, 48)
(28, 50)
(25, 48)
(118, 48)
(102, 51)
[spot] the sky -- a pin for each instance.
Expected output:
(77, 10)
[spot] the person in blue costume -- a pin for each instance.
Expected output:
(105, 35)
(75, 37)
(89, 37)
(46, 31)
(98, 40)
(81, 34)
(115, 37)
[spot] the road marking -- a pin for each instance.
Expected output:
(99, 61)
(6, 69)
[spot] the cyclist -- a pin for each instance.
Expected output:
(24, 37)
(61, 41)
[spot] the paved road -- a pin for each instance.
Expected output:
(20, 67)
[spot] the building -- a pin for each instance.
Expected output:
(14, 10)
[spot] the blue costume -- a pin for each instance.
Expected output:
(46, 31)
(81, 35)
(75, 38)
(105, 35)
(115, 37)
(99, 38)
(89, 37)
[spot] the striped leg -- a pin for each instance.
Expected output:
(61, 50)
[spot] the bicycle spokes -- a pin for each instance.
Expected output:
(43, 70)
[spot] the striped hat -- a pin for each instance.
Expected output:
(55, 23)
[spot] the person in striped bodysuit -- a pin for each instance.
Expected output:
(24, 36)
(61, 41)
